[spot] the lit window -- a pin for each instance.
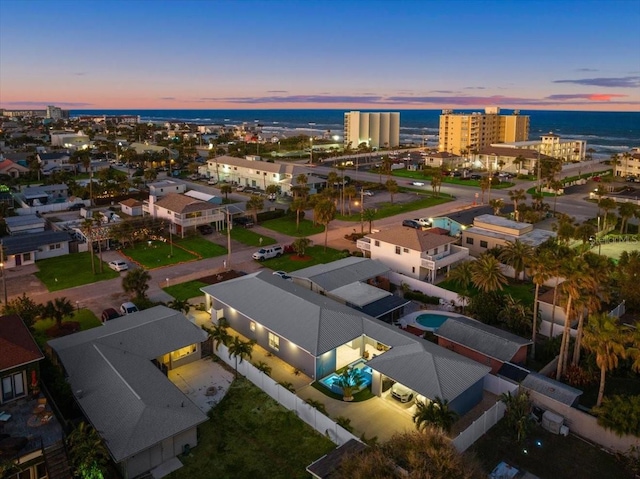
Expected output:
(183, 352)
(274, 342)
(252, 325)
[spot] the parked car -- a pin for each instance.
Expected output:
(283, 275)
(367, 193)
(628, 179)
(424, 221)
(417, 183)
(128, 308)
(212, 181)
(401, 393)
(118, 265)
(271, 196)
(240, 188)
(76, 207)
(244, 221)
(109, 314)
(205, 229)
(475, 176)
(455, 174)
(596, 179)
(268, 252)
(412, 224)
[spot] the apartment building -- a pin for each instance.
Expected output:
(375, 129)
(628, 164)
(466, 132)
(553, 146)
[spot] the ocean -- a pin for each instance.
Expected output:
(605, 132)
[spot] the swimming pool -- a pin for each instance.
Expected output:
(331, 381)
(431, 322)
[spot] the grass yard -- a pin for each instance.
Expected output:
(201, 246)
(155, 254)
(384, 210)
(420, 176)
(313, 255)
(248, 237)
(184, 291)
(85, 317)
(287, 225)
(71, 270)
(250, 435)
(557, 457)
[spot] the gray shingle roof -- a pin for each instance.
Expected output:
(24, 243)
(340, 273)
(319, 324)
(129, 401)
(492, 342)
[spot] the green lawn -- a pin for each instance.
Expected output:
(201, 246)
(555, 457)
(85, 317)
(287, 225)
(155, 254)
(71, 270)
(420, 176)
(248, 237)
(184, 291)
(313, 255)
(384, 210)
(250, 435)
(521, 291)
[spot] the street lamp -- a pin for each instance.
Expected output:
(311, 125)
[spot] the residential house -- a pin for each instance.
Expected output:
(164, 187)
(419, 254)
(628, 164)
(44, 194)
(142, 148)
(490, 231)
(483, 343)
(30, 434)
(254, 172)
(503, 158)
(184, 213)
(318, 336)
(28, 248)
(17, 225)
(117, 373)
(57, 161)
(361, 283)
(442, 158)
(131, 207)
(11, 168)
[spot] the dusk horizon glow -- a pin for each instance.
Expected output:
(352, 55)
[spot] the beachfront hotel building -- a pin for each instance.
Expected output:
(553, 146)
(374, 129)
(466, 132)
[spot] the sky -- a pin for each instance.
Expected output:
(334, 54)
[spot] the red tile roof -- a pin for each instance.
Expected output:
(17, 346)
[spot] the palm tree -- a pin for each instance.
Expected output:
(436, 181)
(486, 274)
(485, 184)
(58, 309)
(603, 337)
(555, 185)
(369, 215)
(300, 245)
(350, 380)
(626, 211)
(436, 413)
(517, 414)
(136, 281)
(324, 213)
(299, 204)
(219, 334)
(87, 226)
(98, 235)
(87, 453)
(255, 204)
(181, 305)
(225, 190)
(497, 204)
(240, 349)
(538, 265)
(607, 204)
(461, 276)
(517, 255)
(263, 368)
(349, 193)
(519, 161)
(392, 188)
(516, 196)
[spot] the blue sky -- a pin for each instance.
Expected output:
(565, 55)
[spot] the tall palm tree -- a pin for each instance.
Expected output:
(538, 267)
(255, 204)
(349, 193)
(87, 226)
(436, 181)
(392, 188)
(517, 196)
(517, 255)
(369, 215)
(436, 413)
(556, 186)
(299, 204)
(225, 190)
(324, 213)
(606, 204)
(461, 276)
(497, 204)
(240, 349)
(486, 274)
(626, 211)
(219, 334)
(604, 338)
(98, 235)
(485, 184)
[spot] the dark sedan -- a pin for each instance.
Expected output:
(412, 224)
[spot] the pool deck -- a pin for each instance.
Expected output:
(410, 319)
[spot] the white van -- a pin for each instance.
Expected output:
(267, 252)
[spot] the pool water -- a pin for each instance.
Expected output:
(331, 383)
(431, 321)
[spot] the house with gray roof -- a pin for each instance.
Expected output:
(116, 375)
(481, 342)
(24, 224)
(184, 213)
(318, 336)
(360, 283)
(30, 247)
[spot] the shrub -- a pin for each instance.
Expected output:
(270, 215)
(420, 296)
(620, 414)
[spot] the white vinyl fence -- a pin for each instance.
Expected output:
(314, 418)
(426, 288)
(479, 427)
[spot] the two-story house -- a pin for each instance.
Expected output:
(184, 212)
(58, 161)
(419, 254)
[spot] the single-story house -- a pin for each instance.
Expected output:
(29, 248)
(481, 342)
(116, 373)
(317, 336)
(24, 224)
(131, 207)
(164, 187)
(360, 283)
(10, 168)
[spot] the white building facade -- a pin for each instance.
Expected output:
(375, 129)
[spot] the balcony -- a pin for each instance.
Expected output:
(433, 262)
(364, 244)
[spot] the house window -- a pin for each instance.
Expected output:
(274, 342)
(377, 243)
(252, 325)
(435, 251)
(405, 250)
(446, 247)
(55, 246)
(469, 240)
(483, 244)
(413, 269)
(13, 386)
(26, 257)
(397, 249)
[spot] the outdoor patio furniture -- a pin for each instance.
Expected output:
(41, 407)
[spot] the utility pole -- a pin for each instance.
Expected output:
(4, 273)
(228, 238)
(361, 210)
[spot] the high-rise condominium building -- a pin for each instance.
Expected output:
(374, 129)
(466, 132)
